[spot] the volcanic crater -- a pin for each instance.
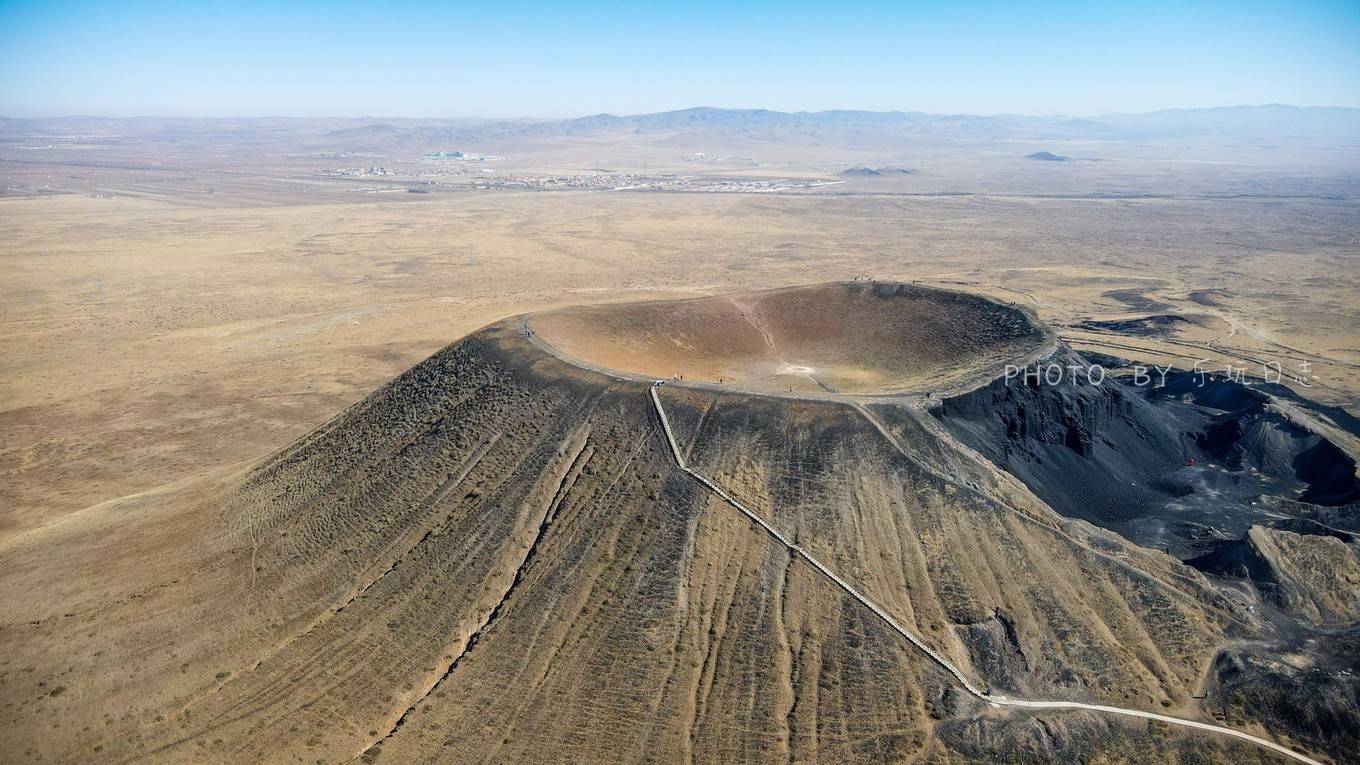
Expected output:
(500, 556)
(852, 338)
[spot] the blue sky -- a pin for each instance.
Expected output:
(427, 59)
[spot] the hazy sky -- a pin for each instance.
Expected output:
(564, 59)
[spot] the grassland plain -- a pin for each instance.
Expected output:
(145, 343)
(245, 520)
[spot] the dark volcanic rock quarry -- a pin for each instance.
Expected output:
(1165, 461)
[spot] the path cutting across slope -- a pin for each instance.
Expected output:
(939, 659)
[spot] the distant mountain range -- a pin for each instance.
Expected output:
(1274, 118)
(1273, 122)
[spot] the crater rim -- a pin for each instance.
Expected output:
(923, 341)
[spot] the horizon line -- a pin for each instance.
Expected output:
(1051, 115)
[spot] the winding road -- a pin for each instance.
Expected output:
(939, 659)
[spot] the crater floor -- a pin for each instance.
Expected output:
(851, 338)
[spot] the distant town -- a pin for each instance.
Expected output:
(452, 171)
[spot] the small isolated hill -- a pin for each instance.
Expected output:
(499, 557)
(874, 172)
(1046, 156)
